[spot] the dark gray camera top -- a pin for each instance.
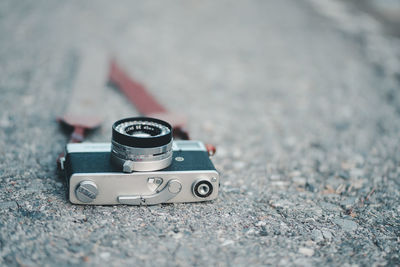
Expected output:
(96, 158)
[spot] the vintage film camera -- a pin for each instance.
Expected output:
(141, 166)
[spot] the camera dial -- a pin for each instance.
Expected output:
(202, 188)
(141, 144)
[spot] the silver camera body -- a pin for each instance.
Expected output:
(96, 177)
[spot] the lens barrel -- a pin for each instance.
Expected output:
(143, 143)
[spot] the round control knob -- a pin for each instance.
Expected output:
(202, 188)
(174, 187)
(86, 191)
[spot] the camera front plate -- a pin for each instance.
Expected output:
(112, 186)
(93, 180)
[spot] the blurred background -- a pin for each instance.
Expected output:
(300, 97)
(386, 11)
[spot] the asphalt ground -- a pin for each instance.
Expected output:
(301, 99)
(386, 11)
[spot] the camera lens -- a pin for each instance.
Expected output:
(202, 189)
(145, 142)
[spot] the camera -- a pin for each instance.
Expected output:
(142, 165)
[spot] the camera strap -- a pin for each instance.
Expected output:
(80, 115)
(145, 102)
(83, 108)
(147, 105)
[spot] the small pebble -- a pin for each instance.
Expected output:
(317, 236)
(8, 205)
(306, 251)
(346, 225)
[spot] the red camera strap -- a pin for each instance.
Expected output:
(140, 97)
(144, 102)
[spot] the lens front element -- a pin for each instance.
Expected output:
(146, 143)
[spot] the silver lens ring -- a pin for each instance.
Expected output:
(145, 142)
(128, 152)
(143, 165)
(140, 154)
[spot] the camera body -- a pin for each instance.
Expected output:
(93, 179)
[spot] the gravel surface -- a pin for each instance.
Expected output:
(301, 99)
